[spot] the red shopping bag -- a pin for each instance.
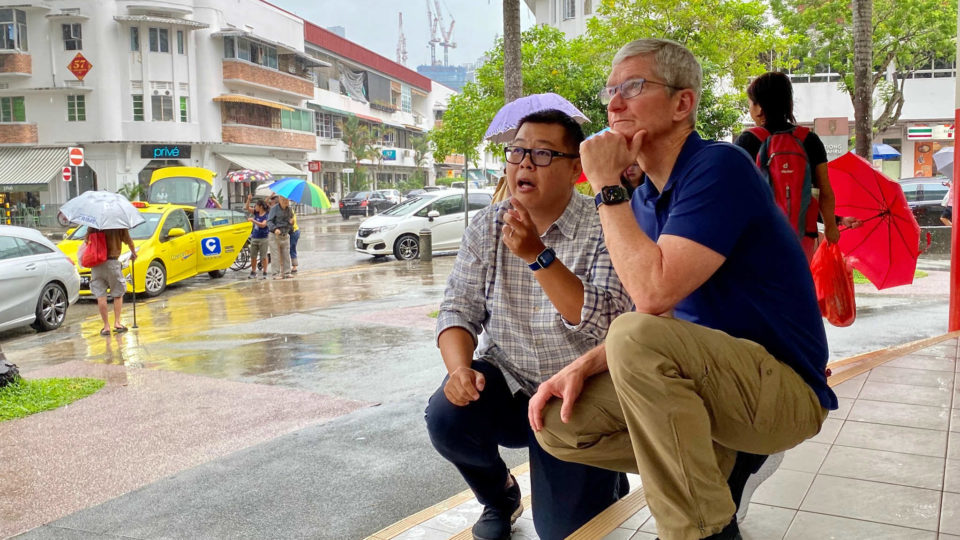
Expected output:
(95, 250)
(833, 279)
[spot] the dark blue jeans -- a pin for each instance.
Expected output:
(567, 494)
(294, 238)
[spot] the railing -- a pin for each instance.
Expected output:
(44, 216)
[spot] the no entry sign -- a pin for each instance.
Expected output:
(76, 156)
(67, 174)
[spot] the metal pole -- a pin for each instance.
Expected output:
(133, 281)
(954, 320)
(466, 193)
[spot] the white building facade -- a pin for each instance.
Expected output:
(220, 84)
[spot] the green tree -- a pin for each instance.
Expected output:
(421, 148)
(360, 144)
(906, 35)
(729, 38)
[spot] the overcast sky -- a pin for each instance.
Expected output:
(373, 24)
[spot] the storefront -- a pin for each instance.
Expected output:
(30, 180)
(923, 141)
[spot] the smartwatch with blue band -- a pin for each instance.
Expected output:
(544, 259)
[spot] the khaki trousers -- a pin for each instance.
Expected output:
(677, 404)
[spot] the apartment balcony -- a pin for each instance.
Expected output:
(275, 138)
(244, 74)
(15, 65)
(14, 134)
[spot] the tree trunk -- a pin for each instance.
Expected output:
(512, 74)
(863, 76)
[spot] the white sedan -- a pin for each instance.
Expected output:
(37, 280)
(397, 230)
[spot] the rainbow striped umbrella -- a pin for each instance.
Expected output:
(300, 191)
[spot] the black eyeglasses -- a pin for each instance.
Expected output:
(629, 88)
(541, 157)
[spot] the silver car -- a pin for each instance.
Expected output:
(37, 281)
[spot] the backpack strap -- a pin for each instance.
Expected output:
(801, 133)
(759, 132)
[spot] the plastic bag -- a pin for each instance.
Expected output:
(833, 280)
(95, 250)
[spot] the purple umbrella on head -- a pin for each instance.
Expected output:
(503, 128)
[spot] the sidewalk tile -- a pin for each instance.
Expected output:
(950, 514)
(805, 457)
(946, 349)
(917, 377)
(643, 536)
(929, 363)
(905, 393)
(880, 466)
(620, 534)
(828, 431)
(843, 408)
(924, 442)
(456, 519)
(785, 489)
(637, 520)
(872, 501)
(953, 448)
(810, 526)
(420, 532)
(523, 529)
(900, 414)
(955, 420)
(951, 481)
(851, 388)
(765, 522)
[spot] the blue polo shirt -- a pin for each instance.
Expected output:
(764, 290)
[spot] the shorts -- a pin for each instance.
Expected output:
(947, 213)
(258, 248)
(108, 275)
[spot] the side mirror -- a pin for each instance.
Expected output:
(175, 232)
(433, 214)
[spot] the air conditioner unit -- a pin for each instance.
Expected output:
(167, 93)
(156, 92)
(407, 153)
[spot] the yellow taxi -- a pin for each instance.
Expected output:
(180, 237)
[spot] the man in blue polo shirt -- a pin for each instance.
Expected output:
(726, 351)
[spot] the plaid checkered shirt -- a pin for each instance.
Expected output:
(493, 294)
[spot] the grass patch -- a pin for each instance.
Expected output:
(861, 279)
(29, 396)
(434, 314)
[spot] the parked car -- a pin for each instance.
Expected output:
(179, 238)
(459, 185)
(925, 197)
(38, 282)
(397, 231)
(413, 193)
(363, 203)
(391, 195)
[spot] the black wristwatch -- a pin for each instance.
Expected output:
(611, 195)
(544, 259)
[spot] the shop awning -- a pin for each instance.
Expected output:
(22, 166)
(239, 98)
(413, 128)
(160, 20)
(331, 110)
(373, 119)
(268, 164)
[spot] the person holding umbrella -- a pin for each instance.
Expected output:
(109, 275)
(280, 221)
(112, 214)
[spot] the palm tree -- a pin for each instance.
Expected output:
(512, 74)
(421, 147)
(359, 143)
(862, 76)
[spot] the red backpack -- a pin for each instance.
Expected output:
(783, 161)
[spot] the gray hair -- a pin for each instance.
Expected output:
(672, 62)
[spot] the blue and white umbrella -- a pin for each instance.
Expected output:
(943, 158)
(102, 210)
(884, 151)
(503, 128)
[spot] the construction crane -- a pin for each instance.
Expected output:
(447, 34)
(432, 21)
(401, 44)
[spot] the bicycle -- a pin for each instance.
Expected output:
(242, 261)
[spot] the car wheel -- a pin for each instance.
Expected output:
(155, 281)
(345, 216)
(216, 274)
(407, 247)
(51, 308)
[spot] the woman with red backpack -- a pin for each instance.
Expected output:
(777, 136)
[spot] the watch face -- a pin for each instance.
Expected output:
(613, 194)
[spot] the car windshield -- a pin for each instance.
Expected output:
(140, 232)
(407, 207)
(357, 195)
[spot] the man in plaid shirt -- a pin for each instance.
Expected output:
(534, 281)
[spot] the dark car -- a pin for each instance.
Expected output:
(363, 203)
(925, 197)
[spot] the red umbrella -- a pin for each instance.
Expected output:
(886, 247)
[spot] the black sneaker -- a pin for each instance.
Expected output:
(496, 521)
(730, 532)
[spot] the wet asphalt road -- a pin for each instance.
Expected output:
(353, 327)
